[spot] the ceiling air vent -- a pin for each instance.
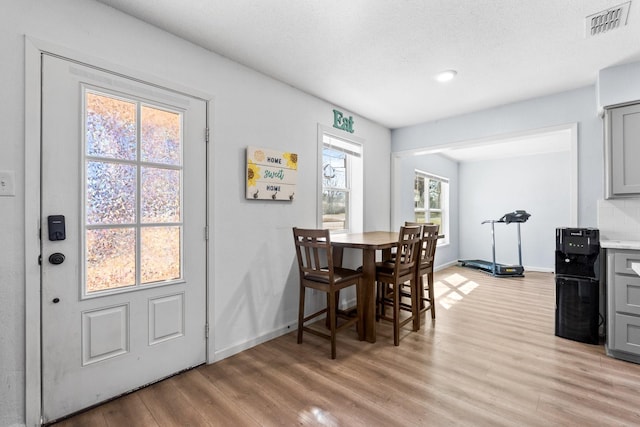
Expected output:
(607, 20)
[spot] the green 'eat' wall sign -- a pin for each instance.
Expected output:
(340, 122)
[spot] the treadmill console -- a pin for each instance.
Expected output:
(515, 216)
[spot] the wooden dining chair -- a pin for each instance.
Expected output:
(427, 256)
(316, 269)
(391, 275)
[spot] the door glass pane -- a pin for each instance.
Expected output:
(110, 126)
(160, 254)
(161, 141)
(111, 258)
(160, 195)
(111, 193)
(420, 216)
(133, 182)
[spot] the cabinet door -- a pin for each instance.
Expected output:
(627, 262)
(627, 294)
(624, 146)
(627, 334)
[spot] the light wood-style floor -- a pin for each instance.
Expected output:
(490, 359)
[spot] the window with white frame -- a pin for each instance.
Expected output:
(431, 201)
(342, 184)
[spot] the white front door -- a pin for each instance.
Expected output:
(123, 235)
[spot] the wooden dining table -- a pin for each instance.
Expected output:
(369, 242)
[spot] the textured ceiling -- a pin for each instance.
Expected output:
(377, 58)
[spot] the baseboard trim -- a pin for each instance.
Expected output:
(445, 265)
(539, 269)
(238, 348)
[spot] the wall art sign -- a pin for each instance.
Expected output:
(341, 122)
(271, 175)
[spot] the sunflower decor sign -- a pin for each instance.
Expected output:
(271, 175)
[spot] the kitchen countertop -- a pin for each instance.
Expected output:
(620, 244)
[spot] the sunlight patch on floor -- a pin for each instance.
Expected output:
(439, 289)
(455, 279)
(449, 300)
(452, 289)
(466, 288)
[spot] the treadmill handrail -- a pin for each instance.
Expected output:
(517, 216)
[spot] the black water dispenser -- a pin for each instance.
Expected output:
(578, 284)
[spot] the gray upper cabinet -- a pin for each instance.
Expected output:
(622, 151)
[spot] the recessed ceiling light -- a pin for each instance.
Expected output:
(446, 76)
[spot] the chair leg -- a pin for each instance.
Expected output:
(421, 289)
(327, 321)
(432, 300)
(301, 314)
(386, 293)
(416, 299)
(396, 314)
(331, 314)
(337, 303)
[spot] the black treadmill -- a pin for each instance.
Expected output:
(492, 267)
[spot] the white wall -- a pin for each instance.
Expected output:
(538, 184)
(253, 281)
(438, 165)
(576, 106)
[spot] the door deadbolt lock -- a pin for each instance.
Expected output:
(56, 258)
